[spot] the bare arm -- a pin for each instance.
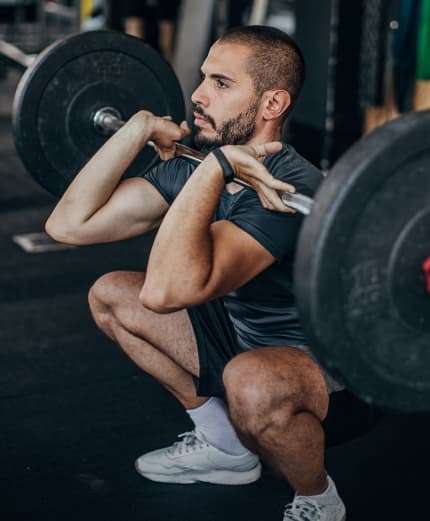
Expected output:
(197, 260)
(97, 207)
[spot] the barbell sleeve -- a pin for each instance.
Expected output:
(108, 119)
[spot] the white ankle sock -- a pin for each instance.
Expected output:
(329, 491)
(211, 419)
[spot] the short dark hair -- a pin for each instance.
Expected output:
(276, 60)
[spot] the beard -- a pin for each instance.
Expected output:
(234, 131)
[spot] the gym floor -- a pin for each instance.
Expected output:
(75, 413)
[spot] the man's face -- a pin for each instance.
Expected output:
(225, 102)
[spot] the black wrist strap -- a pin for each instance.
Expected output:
(227, 170)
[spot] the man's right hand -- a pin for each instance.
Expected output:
(99, 206)
(162, 131)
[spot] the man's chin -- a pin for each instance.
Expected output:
(205, 142)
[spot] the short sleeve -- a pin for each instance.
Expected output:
(275, 231)
(168, 177)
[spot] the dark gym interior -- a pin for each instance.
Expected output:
(75, 412)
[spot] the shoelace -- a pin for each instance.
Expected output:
(189, 443)
(302, 509)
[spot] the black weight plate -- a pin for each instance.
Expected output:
(69, 81)
(359, 276)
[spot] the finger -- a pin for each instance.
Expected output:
(166, 141)
(159, 151)
(265, 149)
(257, 172)
(263, 175)
(167, 134)
(258, 154)
(178, 132)
(184, 125)
(280, 186)
(276, 203)
(168, 117)
(265, 203)
(271, 199)
(165, 147)
(166, 152)
(186, 131)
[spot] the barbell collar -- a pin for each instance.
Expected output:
(108, 119)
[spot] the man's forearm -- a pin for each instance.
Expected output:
(95, 183)
(181, 260)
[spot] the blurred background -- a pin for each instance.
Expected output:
(74, 411)
(367, 60)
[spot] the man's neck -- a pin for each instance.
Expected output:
(266, 135)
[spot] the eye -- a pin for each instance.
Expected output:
(221, 84)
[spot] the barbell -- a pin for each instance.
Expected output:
(362, 266)
(90, 107)
(107, 119)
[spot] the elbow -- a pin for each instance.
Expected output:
(60, 233)
(53, 230)
(159, 301)
(156, 303)
(163, 294)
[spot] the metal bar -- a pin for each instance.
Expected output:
(258, 12)
(15, 55)
(107, 119)
(61, 11)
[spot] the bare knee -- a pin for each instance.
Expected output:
(262, 390)
(99, 305)
(99, 295)
(116, 287)
(103, 296)
(250, 393)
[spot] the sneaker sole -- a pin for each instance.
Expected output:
(218, 477)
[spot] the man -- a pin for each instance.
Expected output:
(214, 319)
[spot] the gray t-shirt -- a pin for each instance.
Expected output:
(263, 311)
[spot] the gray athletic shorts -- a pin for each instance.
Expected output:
(217, 344)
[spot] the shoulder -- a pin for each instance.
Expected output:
(176, 165)
(293, 168)
(168, 177)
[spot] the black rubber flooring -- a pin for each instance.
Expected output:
(75, 413)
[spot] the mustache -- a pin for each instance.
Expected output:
(207, 117)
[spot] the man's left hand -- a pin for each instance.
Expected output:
(247, 163)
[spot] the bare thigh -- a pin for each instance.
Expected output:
(117, 293)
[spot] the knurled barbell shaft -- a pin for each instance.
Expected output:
(107, 119)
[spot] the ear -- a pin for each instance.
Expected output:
(275, 103)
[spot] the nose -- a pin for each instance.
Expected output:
(199, 97)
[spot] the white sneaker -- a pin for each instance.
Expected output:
(325, 507)
(193, 459)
